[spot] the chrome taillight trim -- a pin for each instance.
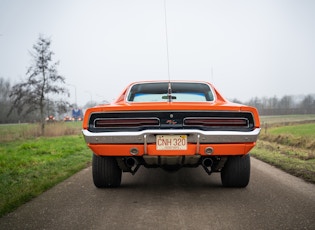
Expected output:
(126, 122)
(217, 121)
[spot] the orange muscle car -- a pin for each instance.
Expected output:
(171, 124)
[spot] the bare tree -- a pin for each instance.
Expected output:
(5, 88)
(42, 84)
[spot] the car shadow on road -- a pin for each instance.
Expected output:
(185, 178)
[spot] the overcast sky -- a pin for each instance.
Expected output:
(247, 48)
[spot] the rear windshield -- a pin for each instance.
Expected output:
(179, 92)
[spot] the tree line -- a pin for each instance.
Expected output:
(286, 105)
(11, 112)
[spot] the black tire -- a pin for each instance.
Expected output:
(236, 172)
(106, 172)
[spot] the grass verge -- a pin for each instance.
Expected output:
(294, 161)
(25, 131)
(290, 148)
(29, 167)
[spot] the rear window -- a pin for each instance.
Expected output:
(180, 92)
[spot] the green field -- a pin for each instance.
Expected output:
(302, 130)
(286, 119)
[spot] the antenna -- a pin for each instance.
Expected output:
(166, 38)
(169, 92)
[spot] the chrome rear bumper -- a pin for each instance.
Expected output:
(193, 135)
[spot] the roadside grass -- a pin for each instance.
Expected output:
(290, 147)
(302, 135)
(24, 131)
(29, 167)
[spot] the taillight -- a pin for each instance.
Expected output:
(125, 122)
(216, 122)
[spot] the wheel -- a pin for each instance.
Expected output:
(106, 172)
(236, 171)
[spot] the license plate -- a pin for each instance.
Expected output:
(171, 142)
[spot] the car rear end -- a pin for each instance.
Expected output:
(172, 135)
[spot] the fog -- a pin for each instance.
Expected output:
(246, 48)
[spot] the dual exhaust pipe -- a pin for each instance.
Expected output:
(207, 164)
(133, 164)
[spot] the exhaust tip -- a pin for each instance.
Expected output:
(207, 162)
(132, 165)
(130, 162)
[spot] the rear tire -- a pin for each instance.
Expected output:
(236, 172)
(106, 172)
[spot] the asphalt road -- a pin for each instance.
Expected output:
(187, 199)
